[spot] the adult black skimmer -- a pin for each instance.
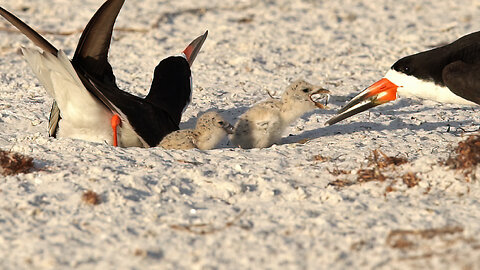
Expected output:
(90, 105)
(449, 74)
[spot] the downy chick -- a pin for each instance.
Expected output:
(211, 128)
(263, 124)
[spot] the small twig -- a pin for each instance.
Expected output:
(72, 32)
(171, 15)
(196, 163)
(399, 238)
(270, 94)
(205, 228)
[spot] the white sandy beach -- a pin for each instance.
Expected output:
(230, 208)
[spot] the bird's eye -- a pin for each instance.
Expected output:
(407, 70)
(305, 90)
(221, 123)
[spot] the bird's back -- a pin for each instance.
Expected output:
(180, 139)
(259, 127)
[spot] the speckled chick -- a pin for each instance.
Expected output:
(211, 128)
(263, 124)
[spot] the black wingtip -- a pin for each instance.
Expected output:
(29, 32)
(92, 49)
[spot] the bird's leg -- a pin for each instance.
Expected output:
(115, 121)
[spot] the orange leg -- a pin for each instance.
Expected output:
(115, 122)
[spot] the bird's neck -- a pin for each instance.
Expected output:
(208, 139)
(290, 111)
(410, 86)
(169, 100)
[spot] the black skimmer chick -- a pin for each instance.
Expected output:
(449, 74)
(211, 128)
(88, 104)
(263, 124)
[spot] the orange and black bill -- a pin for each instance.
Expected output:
(378, 93)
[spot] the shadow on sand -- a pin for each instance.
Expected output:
(393, 109)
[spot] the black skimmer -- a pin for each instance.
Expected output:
(448, 74)
(263, 124)
(87, 102)
(210, 130)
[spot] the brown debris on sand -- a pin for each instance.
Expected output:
(378, 164)
(320, 158)
(410, 179)
(467, 155)
(408, 239)
(91, 197)
(339, 183)
(337, 172)
(13, 163)
(367, 175)
(379, 159)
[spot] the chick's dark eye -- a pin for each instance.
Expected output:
(221, 122)
(305, 90)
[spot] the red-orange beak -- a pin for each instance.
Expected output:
(194, 47)
(378, 93)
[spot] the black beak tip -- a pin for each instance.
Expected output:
(344, 114)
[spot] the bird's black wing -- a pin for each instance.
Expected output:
(463, 79)
(47, 47)
(150, 121)
(462, 74)
(91, 54)
(29, 32)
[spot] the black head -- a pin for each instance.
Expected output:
(404, 66)
(426, 65)
(171, 86)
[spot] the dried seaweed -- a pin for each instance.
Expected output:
(410, 179)
(467, 154)
(379, 159)
(91, 197)
(13, 163)
(337, 172)
(339, 183)
(320, 158)
(403, 239)
(367, 175)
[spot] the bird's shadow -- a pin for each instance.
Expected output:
(232, 115)
(388, 109)
(351, 128)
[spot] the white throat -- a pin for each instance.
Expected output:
(410, 86)
(290, 111)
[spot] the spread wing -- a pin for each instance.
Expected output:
(47, 47)
(29, 32)
(91, 54)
